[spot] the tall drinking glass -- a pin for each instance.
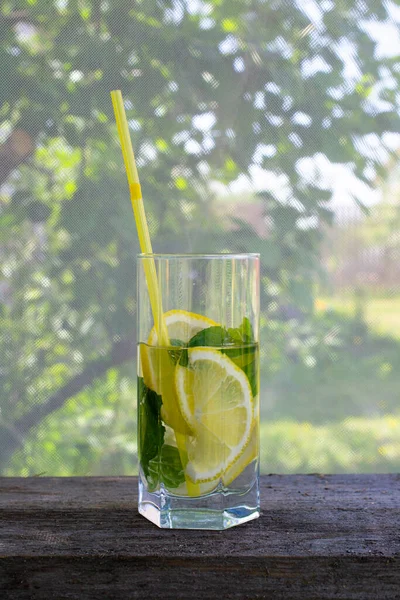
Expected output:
(198, 395)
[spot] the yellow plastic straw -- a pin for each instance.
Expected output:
(140, 216)
(145, 244)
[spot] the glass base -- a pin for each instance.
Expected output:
(222, 509)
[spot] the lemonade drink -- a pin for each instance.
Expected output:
(198, 417)
(198, 389)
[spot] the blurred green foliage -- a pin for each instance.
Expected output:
(353, 445)
(331, 367)
(211, 90)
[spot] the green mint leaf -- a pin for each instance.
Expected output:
(240, 355)
(175, 354)
(252, 375)
(211, 336)
(246, 359)
(235, 342)
(239, 346)
(175, 342)
(218, 336)
(159, 461)
(243, 334)
(166, 467)
(151, 429)
(235, 335)
(184, 358)
(247, 331)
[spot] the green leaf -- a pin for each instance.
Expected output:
(151, 429)
(175, 354)
(251, 370)
(246, 358)
(240, 355)
(244, 333)
(216, 336)
(247, 330)
(160, 462)
(240, 347)
(176, 342)
(166, 467)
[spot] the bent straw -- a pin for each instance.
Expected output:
(145, 246)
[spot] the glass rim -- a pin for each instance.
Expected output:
(209, 256)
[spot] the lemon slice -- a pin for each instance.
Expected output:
(215, 400)
(158, 367)
(249, 454)
(181, 325)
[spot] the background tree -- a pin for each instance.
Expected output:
(214, 91)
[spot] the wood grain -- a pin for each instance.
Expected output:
(319, 536)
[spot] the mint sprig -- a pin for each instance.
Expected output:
(151, 429)
(220, 336)
(162, 462)
(238, 343)
(159, 461)
(166, 467)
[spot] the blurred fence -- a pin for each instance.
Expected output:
(353, 261)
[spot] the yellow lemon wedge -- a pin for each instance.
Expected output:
(158, 366)
(216, 401)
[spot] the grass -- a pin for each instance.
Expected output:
(354, 445)
(382, 315)
(340, 367)
(363, 381)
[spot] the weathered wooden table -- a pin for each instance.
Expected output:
(318, 537)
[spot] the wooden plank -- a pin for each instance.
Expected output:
(318, 537)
